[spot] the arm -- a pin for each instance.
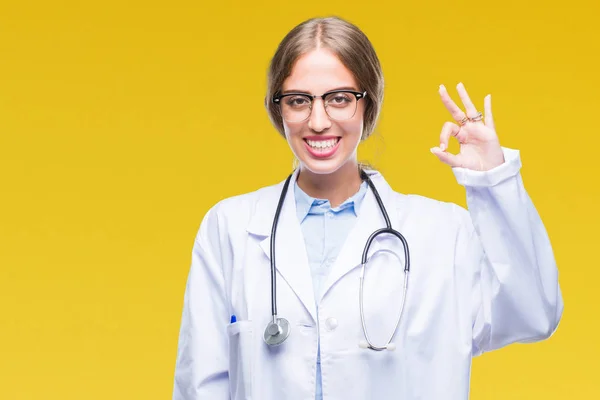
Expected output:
(516, 295)
(201, 370)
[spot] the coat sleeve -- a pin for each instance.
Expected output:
(516, 296)
(201, 370)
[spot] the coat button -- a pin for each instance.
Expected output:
(331, 323)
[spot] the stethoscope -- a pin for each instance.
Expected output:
(278, 330)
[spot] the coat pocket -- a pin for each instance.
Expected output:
(240, 359)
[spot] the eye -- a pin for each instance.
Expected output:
(297, 101)
(339, 99)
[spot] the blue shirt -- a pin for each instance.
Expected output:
(324, 229)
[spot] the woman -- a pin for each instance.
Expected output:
(479, 279)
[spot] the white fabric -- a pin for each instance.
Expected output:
(480, 280)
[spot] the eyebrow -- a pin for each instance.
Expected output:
(304, 91)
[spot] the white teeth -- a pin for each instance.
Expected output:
(322, 144)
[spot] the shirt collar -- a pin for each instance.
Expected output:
(304, 202)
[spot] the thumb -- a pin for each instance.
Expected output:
(445, 157)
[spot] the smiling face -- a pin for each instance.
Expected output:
(323, 145)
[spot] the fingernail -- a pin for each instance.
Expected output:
(442, 87)
(442, 147)
(432, 150)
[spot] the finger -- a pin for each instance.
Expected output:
(487, 106)
(449, 129)
(470, 108)
(451, 106)
(450, 159)
(462, 136)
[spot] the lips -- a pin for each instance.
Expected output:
(322, 147)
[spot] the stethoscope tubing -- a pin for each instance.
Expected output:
(280, 326)
(272, 249)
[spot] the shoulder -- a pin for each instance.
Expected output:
(429, 211)
(428, 220)
(237, 211)
(245, 204)
(420, 204)
(418, 207)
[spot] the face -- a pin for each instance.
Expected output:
(323, 145)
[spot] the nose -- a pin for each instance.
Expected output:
(319, 120)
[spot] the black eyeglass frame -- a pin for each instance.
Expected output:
(358, 95)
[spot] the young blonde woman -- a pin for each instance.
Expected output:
(330, 284)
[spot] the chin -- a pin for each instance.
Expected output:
(323, 167)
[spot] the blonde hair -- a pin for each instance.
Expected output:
(351, 46)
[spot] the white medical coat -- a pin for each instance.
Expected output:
(479, 280)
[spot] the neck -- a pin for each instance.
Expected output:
(335, 187)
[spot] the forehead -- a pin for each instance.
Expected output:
(318, 71)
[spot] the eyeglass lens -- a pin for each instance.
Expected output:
(339, 106)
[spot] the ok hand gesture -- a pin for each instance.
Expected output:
(479, 146)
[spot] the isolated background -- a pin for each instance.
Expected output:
(122, 122)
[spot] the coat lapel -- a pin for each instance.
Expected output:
(290, 250)
(369, 220)
(291, 260)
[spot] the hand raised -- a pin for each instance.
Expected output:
(479, 145)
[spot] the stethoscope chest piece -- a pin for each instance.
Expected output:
(276, 333)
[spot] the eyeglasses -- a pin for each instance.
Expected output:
(339, 104)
